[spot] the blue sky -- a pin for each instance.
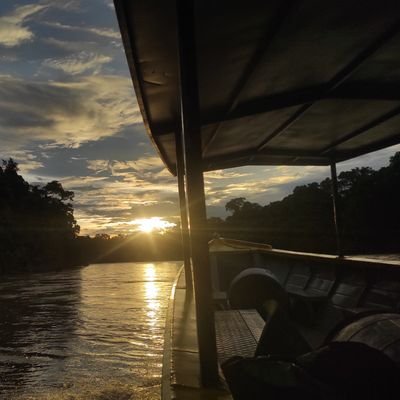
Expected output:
(68, 112)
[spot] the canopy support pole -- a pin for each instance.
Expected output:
(335, 201)
(192, 150)
(180, 172)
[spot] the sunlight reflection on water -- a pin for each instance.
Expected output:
(93, 333)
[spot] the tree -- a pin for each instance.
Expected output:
(55, 189)
(235, 205)
(37, 223)
(368, 210)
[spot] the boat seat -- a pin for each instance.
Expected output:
(309, 295)
(305, 305)
(364, 368)
(298, 278)
(383, 293)
(308, 292)
(244, 333)
(350, 290)
(237, 333)
(253, 287)
(377, 329)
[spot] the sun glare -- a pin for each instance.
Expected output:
(152, 224)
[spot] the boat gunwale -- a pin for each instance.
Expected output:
(358, 261)
(167, 353)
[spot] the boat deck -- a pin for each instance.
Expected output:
(181, 368)
(351, 284)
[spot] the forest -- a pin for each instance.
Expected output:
(37, 226)
(368, 215)
(38, 229)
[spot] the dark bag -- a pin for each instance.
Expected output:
(337, 371)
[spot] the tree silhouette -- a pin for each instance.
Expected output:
(368, 210)
(36, 223)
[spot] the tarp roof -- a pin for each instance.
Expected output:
(280, 82)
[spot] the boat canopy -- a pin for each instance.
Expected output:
(280, 82)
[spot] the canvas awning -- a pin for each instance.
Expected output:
(280, 82)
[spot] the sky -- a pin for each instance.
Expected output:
(68, 112)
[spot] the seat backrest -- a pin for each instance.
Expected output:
(383, 294)
(322, 281)
(298, 278)
(349, 290)
(252, 287)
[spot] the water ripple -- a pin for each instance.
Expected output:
(94, 333)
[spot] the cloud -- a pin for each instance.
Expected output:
(99, 166)
(113, 193)
(27, 160)
(126, 190)
(13, 29)
(374, 160)
(147, 172)
(67, 5)
(149, 163)
(109, 206)
(263, 184)
(65, 113)
(105, 32)
(79, 63)
(110, 4)
(8, 58)
(69, 46)
(225, 174)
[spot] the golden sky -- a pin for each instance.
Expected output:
(68, 112)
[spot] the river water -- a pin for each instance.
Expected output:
(94, 333)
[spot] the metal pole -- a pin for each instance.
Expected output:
(180, 172)
(335, 201)
(190, 118)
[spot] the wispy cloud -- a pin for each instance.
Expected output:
(69, 46)
(110, 205)
(225, 174)
(140, 167)
(79, 63)
(13, 28)
(100, 31)
(27, 160)
(109, 3)
(262, 184)
(65, 113)
(68, 5)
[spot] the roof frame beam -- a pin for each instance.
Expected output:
(337, 80)
(248, 154)
(253, 63)
(359, 131)
(391, 141)
(354, 91)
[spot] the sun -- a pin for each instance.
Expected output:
(153, 224)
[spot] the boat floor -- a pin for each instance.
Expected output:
(181, 367)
